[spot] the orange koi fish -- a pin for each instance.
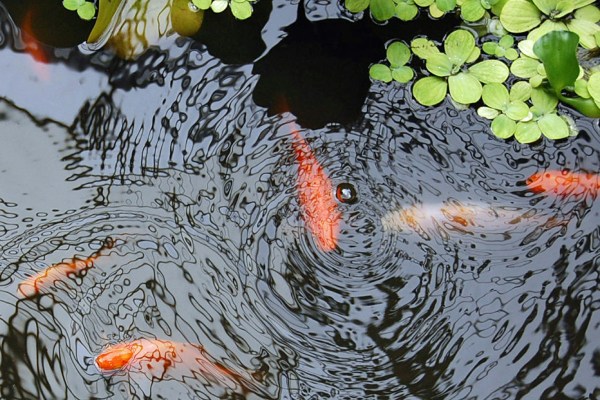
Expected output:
(316, 196)
(164, 359)
(34, 48)
(564, 183)
(36, 283)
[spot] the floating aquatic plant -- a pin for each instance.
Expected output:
(398, 54)
(85, 9)
(450, 72)
(381, 10)
(241, 9)
(502, 48)
(437, 8)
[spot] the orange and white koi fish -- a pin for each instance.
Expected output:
(164, 359)
(34, 284)
(563, 183)
(316, 197)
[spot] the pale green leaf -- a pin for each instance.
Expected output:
(398, 54)
(430, 90)
(435, 12)
(218, 5)
(487, 112)
(356, 6)
(489, 48)
(543, 101)
(202, 4)
(72, 5)
(86, 11)
(241, 9)
(405, 11)
(474, 55)
(553, 127)
(472, 10)
(588, 13)
(506, 41)
(581, 88)
(525, 67)
(403, 74)
(458, 46)
(423, 48)
(517, 110)
(520, 91)
(495, 95)
(546, 6)
(563, 7)
(526, 47)
(464, 88)
(439, 64)
(381, 72)
(423, 3)
(511, 54)
(586, 31)
(503, 127)
(520, 16)
(546, 27)
(593, 87)
(445, 5)
(581, 3)
(527, 132)
(490, 71)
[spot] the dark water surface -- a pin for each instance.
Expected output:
(184, 189)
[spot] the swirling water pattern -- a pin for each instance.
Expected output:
(196, 187)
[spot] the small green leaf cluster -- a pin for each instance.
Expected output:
(406, 10)
(85, 9)
(241, 9)
(398, 54)
(502, 48)
(450, 70)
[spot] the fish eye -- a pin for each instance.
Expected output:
(346, 193)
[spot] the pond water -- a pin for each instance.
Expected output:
(179, 185)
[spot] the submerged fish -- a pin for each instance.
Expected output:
(316, 197)
(164, 359)
(32, 285)
(34, 48)
(564, 183)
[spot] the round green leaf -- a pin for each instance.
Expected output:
(405, 11)
(430, 90)
(356, 6)
(527, 132)
(586, 31)
(517, 110)
(458, 46)
(495, 95)
(487, 112)
(435, 12)
(218, 5)
(398, 54)
(72, 5)
(593, 87)
(588, 13)
(520, 16)
(546, 27)
(526, 47)
(464, 88)
(423, 48)
(543, 102)
(381, 72)
(403, 74)
(546, 6)
(472, 10)
(503, 127)
(506, 41)
(489, 48)
(241, 9)
(490, 71)
(524, 67)
(445, 5)
(382, 10)
(202, 4)
(86, 11)
(553, 127)
(520, 91)
(500, 51)
(423, 3)
(581, 88)
(474, 55)
(439, 64)
(511, 54)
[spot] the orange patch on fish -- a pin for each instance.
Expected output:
(34, 48)
(564, 184)
(315, 194)
(32, 285)
(164, 359)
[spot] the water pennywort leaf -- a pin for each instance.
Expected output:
(464, 88)
(430, 90)
(398, 54)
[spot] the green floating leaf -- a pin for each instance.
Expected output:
(495, 95)
(381, 72)
(382, 10)
(527, 132)
(558, 51)
(520, 16)
(430, 90)
(72, 5)
(241, 9)
(547, 6)
(489, 48)
(458, 46)
(487, 112)
(406, 11)
(525, 67)
(86, 11)
(503, 127)
(403, 74)
(356, 6)
(586, 31)
(464, 88)
(554, 127)
(581, 88)
(517, 110)
(544, 102)
(520, 91)
(490, 71)
(445, 5)
(593, 87)
(423, 48)
(439, 64)
(472, 10)
(398, 54)
(202, 4)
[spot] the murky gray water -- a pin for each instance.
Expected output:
(185, 194)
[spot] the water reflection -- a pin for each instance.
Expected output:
(197, 187)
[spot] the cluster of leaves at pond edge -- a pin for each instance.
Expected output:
(520, 89)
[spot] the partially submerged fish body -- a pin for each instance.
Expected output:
(38, 282)
(316, 197)
(563, 183)
(455, 216)
(165, 359)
